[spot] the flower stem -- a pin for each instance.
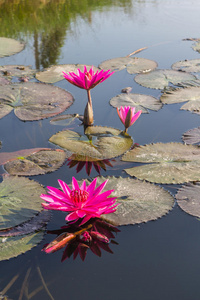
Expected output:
(89, 97)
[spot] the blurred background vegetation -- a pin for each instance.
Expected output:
(47, 22)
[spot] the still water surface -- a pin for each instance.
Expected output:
(157, 260)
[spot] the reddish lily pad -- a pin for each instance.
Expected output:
(190, 94)
(139, 201)
(10, 46)
(188, 198)
(192, 136)
(192, 65)
(165, 163)
(55, 73)
(34, 101)
(17, 70)
(99, 142)
(14, 246)
(160, 79)
(19, 200)
(40, 162)
(4, 81)
(140, 102)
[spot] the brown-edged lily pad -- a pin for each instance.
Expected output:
(40, 162)
(19, 200)
(159, 79)
(33, 101)
(165, 163)
(188, 198)
(190, 94)
(55, 73)
(139, 101)
(99, 142)
(133, 64)
(192, 136)
(192, 65)
(139, 201)
(14, 246)
(17, 70)
(10, 46)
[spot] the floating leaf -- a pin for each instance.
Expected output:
(65, 120)
(190, 94)
(10, 46)
(116, 64)
(102, 142)
(34, 101)
(55, 73)
(188, 198)
(159, 79)
(139, 201)
(17, 70)
(192, 136)
(141, 65)
(40, 162)
(192, 65)
(165, 163)
(35, 224)
(140, 102)
(196, 46)
(14, 246)
(133, 64)
(4, 81)
(19, 200)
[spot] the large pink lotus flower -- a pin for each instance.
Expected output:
(87, 79)
(81, 202)
(127, 115)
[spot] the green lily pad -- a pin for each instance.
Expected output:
(39, 162)
(55, 73)
(133, 64)
(141, 65)
(33, 101)
(188, 198)
(192, 65)
(19, 200)
(140, 102)
(190, 94)
(159, 79)
(102, 142)
(115, 64)
(192, 136)
(10, 46)
(14, 246)
(139, 201)
(196, 46)
(17, 70)
(165, 163)
(65, 120)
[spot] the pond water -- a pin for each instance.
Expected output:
(154, 260)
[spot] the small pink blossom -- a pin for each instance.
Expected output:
(127, 115)
(80, 202)
(87, 79)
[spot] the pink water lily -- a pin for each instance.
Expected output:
(80, 202)
(87, 79)
(127, 115)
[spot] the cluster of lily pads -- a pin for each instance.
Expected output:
(138, 199)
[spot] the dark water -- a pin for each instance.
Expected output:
(157, 260)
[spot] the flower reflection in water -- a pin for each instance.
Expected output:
(95, 235)
(80, 161)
